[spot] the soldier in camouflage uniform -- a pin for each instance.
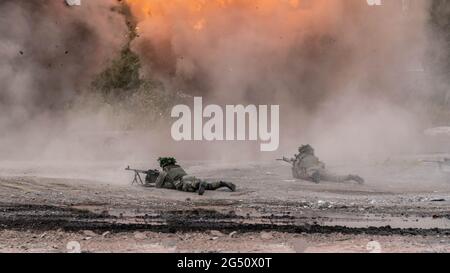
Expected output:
(307, 166)
(174, 177)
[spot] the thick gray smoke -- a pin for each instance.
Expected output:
(49, 53)
(273, 50)
(350, 78)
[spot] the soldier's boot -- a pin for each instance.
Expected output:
(202, 188)
(358, 179)
(228, 185)
(315, 177)
(220, 184)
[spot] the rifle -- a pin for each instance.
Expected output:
(287, 160)
(137, 176)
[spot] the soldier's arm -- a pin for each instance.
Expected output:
(288, 160)
(160, 180)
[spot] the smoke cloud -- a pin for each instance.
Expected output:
(347, 75)
(49, 54)
(351, 79)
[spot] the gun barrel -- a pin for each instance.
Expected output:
(135, 170)
(284, 159)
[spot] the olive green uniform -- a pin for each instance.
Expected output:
(307, 166)
(174, 177)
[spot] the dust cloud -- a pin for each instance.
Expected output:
(49, 54)
(351, 79)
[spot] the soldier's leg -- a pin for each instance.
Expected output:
(189, 184)
(333, 177)
(358, 179)
(212, 186)
(193, 184)
(327, 176)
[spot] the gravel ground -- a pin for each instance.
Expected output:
(56, 207)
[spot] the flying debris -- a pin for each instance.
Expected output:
(73, 3)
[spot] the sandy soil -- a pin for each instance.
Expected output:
(91, 207)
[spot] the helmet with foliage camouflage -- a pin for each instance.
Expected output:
(306, 149)
(166, 161)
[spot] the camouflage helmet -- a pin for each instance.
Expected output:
(166, 161)
(306, 149)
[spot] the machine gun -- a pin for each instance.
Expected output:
(150, 176)
(287, 160)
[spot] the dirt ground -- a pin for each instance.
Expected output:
(92, 207)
